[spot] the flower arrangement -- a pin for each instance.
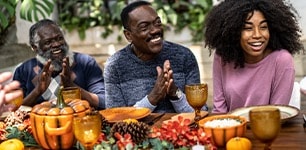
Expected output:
(171, 135)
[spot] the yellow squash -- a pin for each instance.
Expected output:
(12, 144)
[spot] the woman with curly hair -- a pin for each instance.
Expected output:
(254, 42)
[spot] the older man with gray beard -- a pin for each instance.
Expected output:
(54, 65)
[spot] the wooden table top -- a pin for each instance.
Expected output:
(291, 137)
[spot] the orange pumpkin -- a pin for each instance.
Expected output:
(12, 144)
(239, 143)
(52, 124)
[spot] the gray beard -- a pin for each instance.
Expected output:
(56, 65)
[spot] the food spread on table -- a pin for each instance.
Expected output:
(173, 133)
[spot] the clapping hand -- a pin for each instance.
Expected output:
(163, 85)
(66, 74)
(171, 89)
(44, 78)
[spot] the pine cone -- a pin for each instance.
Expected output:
(138, 130)
(105, 124)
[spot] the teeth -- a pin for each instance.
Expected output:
(256, 44)
(155, 39)
(56, 51)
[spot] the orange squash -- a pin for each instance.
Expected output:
(12, 144)
(239, 143)
(52, 124)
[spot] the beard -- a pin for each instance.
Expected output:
(56, 62)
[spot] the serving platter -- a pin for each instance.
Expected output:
(286, 111)
(120, 113)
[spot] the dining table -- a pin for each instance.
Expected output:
(292, 135)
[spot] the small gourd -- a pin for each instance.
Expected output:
(12, 144)
(239, 143)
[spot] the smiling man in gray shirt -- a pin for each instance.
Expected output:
(149, 72)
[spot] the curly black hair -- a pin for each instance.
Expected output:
(225, 21)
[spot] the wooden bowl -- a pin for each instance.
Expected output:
(220, 133)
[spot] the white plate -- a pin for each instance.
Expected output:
(287, 112)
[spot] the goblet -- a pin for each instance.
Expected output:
(14, 104)
(71, 93)
(87, 129)
(196, 95)
(265, 124)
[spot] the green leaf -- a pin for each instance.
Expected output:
(22, 12)
(103, 146)
(13, 132)
(116, 10)
(3, 21)
(82, 33)
(163, 16)
(145, 144)
(24, 136)
(205, 4)
(6, 14)
(38, 8)
(29, 16)
(28, 139)
(13, 2)
(129, 146)
(48, 9)
(10, 8)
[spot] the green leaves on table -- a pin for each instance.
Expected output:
(24, 136)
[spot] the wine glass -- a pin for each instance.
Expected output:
(265, 124)
(71, 93)
(196, 95)
(14, 104)
(87, 129)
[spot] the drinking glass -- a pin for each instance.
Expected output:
(14, 104)
(87, 129)
(265, 124)
(196, 95)
(71, 93)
